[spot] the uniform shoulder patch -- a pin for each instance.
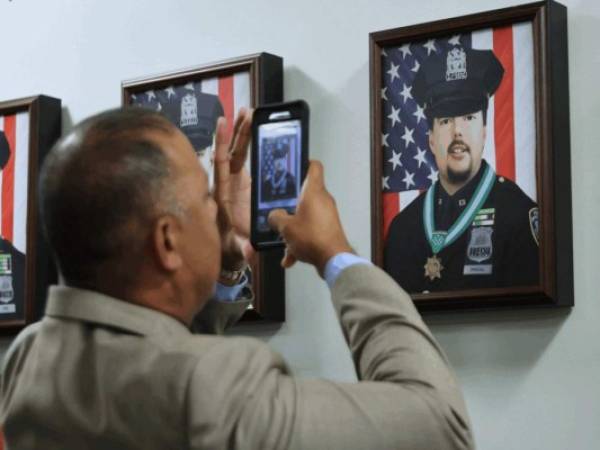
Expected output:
(534, 224)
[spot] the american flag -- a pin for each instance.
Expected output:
(14, 180)
(409, 166)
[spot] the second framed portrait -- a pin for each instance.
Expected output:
(470, 143)
(193, 99)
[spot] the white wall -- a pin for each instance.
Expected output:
(530, 377)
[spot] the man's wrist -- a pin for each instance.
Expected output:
(339, 263)
(231, 277)
(329, 254)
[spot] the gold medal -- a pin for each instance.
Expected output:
(433, 268)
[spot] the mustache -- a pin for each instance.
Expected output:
(458, 144)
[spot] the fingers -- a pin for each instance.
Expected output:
(242, 133)
(314, 176)
(278, 219)
(288, 259)
(221, 160)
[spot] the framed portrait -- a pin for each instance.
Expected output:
(193, 99)
(28, 129)
(470, 148)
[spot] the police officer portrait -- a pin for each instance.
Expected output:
(459, 176)
(279, 179)
(195, 105)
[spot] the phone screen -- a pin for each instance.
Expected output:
(279, 162)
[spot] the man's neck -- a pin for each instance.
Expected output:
(453, 188)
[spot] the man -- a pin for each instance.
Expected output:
(472, 228)
(140, 242)
(279, 184)
(12, 261)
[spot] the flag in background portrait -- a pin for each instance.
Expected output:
(14, 180)
(409, 167)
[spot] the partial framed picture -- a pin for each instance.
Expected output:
(28, 129)
(470, 140)
(193, 99)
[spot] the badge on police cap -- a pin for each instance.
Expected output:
(457, 82)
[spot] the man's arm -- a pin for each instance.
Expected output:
(232, 195)
(408, 396)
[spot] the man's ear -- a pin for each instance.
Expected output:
(167, 243)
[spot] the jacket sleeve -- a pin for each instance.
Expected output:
(407, 396)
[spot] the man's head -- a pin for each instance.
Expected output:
(126, 209)
(455, 87)
(280, 158)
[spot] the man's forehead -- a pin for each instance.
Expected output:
(475, 113)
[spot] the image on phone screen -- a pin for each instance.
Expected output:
(279, 173)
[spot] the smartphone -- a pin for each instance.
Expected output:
(279, 165)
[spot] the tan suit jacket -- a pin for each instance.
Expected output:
(99, 373)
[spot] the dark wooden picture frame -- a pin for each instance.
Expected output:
(548, 21)
(262, 73)
(30, 126)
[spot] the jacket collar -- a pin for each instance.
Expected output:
(96, 308)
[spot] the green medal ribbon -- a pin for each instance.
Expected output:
(440, 239)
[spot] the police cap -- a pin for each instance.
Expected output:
(4, 150)
(457, 82)
(281, 149)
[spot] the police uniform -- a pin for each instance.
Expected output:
(485, 234)
(498, 249)
(12, 264)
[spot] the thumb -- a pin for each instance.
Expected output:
(278, 219)
(314, 176)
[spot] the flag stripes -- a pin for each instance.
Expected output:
(8, 179)
(504, 105)
(14, 180)
(226, 97)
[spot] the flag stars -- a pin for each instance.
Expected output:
(454, 40)
(383, 94)
(408, 179)
(189, 86)
(420, 157)
(406, 92)
(430, 46)
(393, 72)
(151, 95)
(384, 182)
(433, 175)
(419, 114)
(405, 49)
(170, 91)
(384, 138)
(394, 116)
(416, 67)
(408, 136)
(395, 160)
(383, 53)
